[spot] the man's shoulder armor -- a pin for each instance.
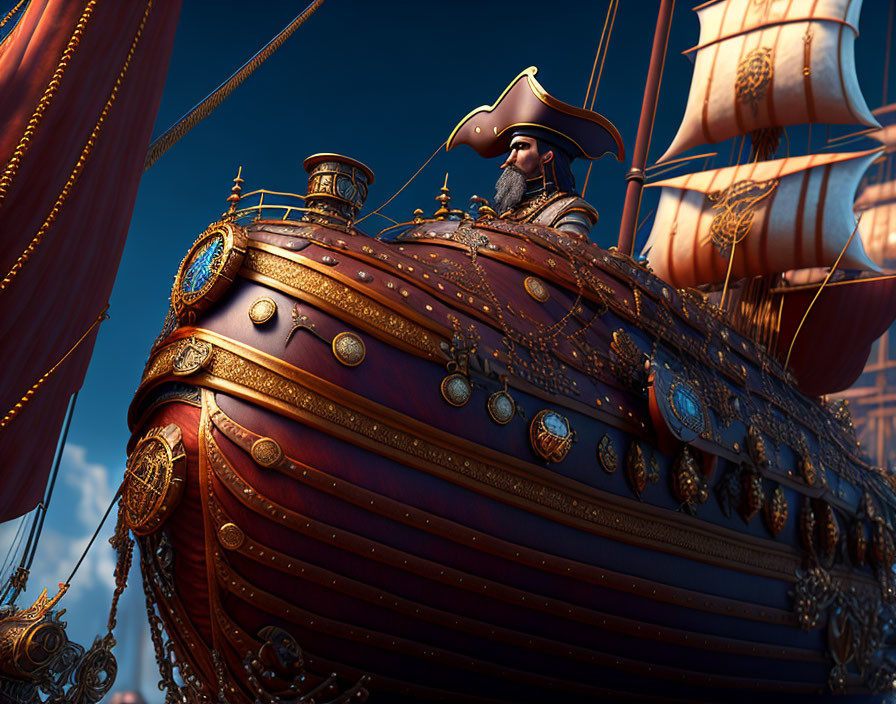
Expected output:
(570, 203)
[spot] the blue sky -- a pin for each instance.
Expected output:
(384, 82)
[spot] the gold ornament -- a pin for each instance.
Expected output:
(154, 479)
(349, 349)
(262, 310)
(267, 452)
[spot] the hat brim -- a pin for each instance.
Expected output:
(526, 104)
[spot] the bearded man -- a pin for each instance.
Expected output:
(542, 135)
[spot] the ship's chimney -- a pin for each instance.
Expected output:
(337, 187)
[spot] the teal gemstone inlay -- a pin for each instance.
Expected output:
(204, 266)
(556, 424)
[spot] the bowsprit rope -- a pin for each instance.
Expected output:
(174, 133)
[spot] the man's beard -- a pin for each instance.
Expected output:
(510, 188)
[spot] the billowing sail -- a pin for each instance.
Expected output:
(855, 310)
(877, 206)
(80, 84)
(771, 63)
(775, 215)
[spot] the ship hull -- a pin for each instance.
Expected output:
(397, 536)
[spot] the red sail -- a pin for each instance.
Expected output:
(80, 84)
(857, 311)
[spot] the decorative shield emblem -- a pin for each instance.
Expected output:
(208, 269)
(154, 478)
(191, 357)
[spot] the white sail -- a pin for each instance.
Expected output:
(771, 63)
(776, 215)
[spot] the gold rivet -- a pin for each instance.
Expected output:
(267, 452)
(231, 536)
(535, 287)
(478, 130)
(262, 310)
(349, 349)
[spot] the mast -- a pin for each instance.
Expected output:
(635, 175)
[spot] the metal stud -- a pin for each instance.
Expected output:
(535, 287)
(349, 349)
(262, 310)
(267, 452)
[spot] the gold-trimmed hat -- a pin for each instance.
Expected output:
(525, 106)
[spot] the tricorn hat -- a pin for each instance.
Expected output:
(526, 108)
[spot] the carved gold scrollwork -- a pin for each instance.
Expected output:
(752, 494)
(154, 478)
(736, 208)
(688, 485)
(754, 73)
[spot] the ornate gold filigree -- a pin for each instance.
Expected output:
(754, 73)
(606, 454)
(304, 282)
(154, 479)
(267, 452)
(736, 208)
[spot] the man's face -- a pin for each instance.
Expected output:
(524, 155)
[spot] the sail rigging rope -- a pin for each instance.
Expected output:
(820, 289)
(601, 47)
(8, 16)
(15, 410)
(407, 183)
(597, 53)
(205, 108)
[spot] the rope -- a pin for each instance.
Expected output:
(12, 12)
(93, 537)
(820, 289)
(14, 411)
(174, 133)
(408, 183)
(604, 57)
(600, 45)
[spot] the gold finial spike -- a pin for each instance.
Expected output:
(235, 192)
(444, 199)
(418, 215)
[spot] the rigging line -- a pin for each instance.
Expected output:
(205, 108)
(14, 411)
(820, 289)
(675, 161)
(395, 195)
(646, 218)
(10, 555)
(851, 135)
(12, 12)
(38, 524)
(597, 55)
(93, 537)
(604, 57)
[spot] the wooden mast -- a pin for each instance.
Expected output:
(635, 175)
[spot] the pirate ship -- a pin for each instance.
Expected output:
(474, 459)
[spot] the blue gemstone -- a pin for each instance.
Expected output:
(556, 424)
(203, 267)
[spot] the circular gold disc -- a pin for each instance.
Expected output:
(501, 407)
(349, 349)
(535, 287)
(262, 310)
(267, 452)
(231, 536)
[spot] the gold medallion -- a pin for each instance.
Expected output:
(154, 478)
(231, 536)
(536, 288)
(208, 270)
(267, 452)
(191, 357)
(349, 349)
(262, 310)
